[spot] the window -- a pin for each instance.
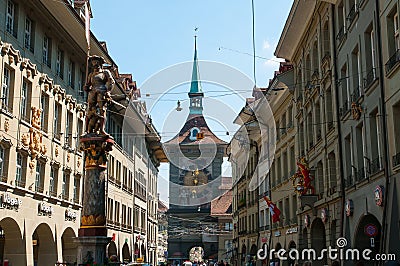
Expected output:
(11, 18)
(19, 180)
(38, 178)
(57, 121)
(71, 74)
(361, 152)
(6, 97)
(25, 101)
(29, 34)
(110, 210)
(65, 186)
(68, 129)
(77, 182)
(60, 63)
(1, 161)
(44, 117)
(53, 181)
(47, 51)
(81, 82)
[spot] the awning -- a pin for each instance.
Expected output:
(284, 81)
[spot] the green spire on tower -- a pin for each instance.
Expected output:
(196, 93)
(195, 86)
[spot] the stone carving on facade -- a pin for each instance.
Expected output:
(68, 157)
(6, 124)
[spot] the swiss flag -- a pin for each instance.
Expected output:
(275, 212)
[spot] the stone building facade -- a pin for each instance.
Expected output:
(43, 62)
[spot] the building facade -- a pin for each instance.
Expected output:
(43, 62)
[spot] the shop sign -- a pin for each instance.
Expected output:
(292, 230)
(277, 233)
(70, 215)
(324, 215)
(349, 207)
(371, 230)
(45, 209)
(10, 203)
(378, 192)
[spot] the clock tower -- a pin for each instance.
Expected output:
(194, 176)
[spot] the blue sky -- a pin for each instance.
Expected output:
(145, 37)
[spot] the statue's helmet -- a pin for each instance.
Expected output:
(100, 59)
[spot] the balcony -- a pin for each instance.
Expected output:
(39, 189)
(6, 107)
(369, 78)
(392, 62)
(20, 183)
(375, 166)
(396, 160)
(360, 174)
(351, 16)
(349, 181)
(344, 109)
(356, 95)
(341, 35)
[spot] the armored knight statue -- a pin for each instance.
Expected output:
(99, 84)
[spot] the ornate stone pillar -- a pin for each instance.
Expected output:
(95, 143)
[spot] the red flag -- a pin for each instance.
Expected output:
(275, 212)
(87, 24)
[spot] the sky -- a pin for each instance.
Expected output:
(145, 37)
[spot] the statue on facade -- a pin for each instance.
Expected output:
(98, 85)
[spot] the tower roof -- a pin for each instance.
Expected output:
(195, 86)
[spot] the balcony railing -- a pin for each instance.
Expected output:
(6, 107)
(19, 183)
(352, 14)
(360, 174)
(396, 160)
(375, 166)
(53, 193)
(65, 197)
(349, 181)
(341, 34)
(76, 200)
(344, 109)
(4, 179)
(392, 62)
(356, 94)
(370, 78)
(39, 189)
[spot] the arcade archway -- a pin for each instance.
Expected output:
(13, 245)
(44, 246)
(126, 255)
(368, 235)
(318, 239)
(112, 249)
(69, 247)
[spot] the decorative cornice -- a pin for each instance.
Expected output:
(14, 55)
(30, 67)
